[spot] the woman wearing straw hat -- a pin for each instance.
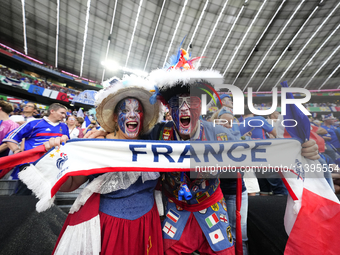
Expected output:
(124, 215)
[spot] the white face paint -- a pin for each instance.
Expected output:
(130, 118)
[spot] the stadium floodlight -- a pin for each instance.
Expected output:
(114, 66)
(109, 40)
(110, 65)
(213, 30)
(85, 36)
(154, 34)
(173, 36)
(133, 32)
(24, 25)
(323, 64)
(226, 38)
(197, 25)
(334, 71)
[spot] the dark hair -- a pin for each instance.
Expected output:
(6, 107)
(181, 87)
(80, 120)
(55, 107)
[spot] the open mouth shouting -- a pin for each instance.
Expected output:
(185, 121)
(132, 126)
(130, 117)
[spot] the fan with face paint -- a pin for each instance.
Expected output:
(185, 111)
(129, 115)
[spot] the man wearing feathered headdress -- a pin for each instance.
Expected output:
(198, 222)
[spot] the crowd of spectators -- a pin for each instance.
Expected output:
(27, 120)
(325, 130)
(41, 81)
(14, 116)
(42, 64)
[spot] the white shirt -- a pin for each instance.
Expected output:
(74, 133)
(20, 118)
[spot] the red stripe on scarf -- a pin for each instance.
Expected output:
(8, 162)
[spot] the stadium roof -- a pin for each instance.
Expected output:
(254, 43)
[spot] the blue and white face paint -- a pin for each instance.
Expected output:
(130, 117)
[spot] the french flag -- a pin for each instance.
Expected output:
(172, 215)
(14, 100)
(71, 96)
(312, 217)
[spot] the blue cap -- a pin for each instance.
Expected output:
(224, 110)
(224, 95)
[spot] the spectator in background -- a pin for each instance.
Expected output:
(317, 123)
(6, 125)
(69, 112)
(72, 128)
(79, 123)
(35, 133)
(27, 114)
(36, 114)
(226, 101)
(329, 122)
(315, 134)
(167, 117)
(227, 104)
(337, 129)
(257, 125)
(274, 116)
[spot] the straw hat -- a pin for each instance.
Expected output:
(130, 86)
